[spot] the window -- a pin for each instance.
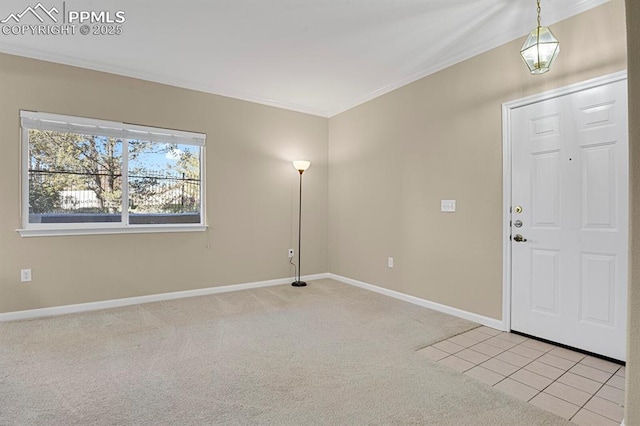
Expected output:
(83, 176)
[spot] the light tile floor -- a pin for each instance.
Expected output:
(577, 387)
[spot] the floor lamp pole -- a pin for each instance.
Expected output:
(301, 168)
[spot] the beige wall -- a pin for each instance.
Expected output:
(632, 414)
(394, 158)
(251, 192)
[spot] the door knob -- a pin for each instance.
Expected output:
(519, 238)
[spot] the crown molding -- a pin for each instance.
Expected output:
(156, 78)
(582, 6)
(552, 18)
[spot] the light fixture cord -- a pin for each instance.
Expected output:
(539, 13)
(295, 268)
(538, 36)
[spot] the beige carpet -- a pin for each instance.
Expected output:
(327, 354)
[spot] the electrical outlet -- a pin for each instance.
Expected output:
(290, 253)
(25, 275)
(448, 206)
(390, 262)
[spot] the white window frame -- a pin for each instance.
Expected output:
(124, 131)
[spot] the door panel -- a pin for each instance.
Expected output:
(545, 192)
(544, 281)
(598, 288)
(599, 187)
(570, 176)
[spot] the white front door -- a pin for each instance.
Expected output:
(570, 182)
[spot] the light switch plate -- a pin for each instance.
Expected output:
(448, 206)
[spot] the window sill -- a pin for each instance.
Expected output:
(132, 229)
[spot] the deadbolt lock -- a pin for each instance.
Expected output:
(517, 209)
(517, 224)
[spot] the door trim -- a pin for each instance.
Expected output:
(507, 107)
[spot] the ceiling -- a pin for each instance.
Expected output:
(316, 56)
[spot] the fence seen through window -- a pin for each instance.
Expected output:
(103, 177)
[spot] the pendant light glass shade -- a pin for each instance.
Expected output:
(540, 50)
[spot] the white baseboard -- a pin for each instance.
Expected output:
(116, 303)
(480, 319)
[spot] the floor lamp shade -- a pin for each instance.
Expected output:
(301, 166)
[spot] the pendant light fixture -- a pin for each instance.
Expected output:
(540, 49)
